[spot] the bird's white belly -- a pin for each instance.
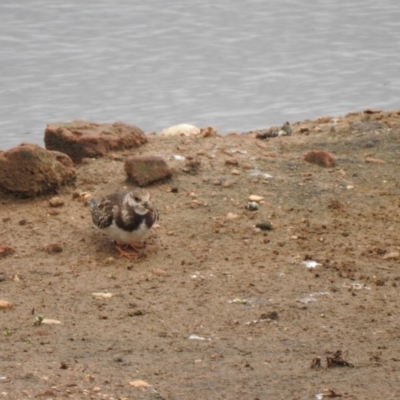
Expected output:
(126, 237)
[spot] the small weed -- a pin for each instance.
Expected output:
(112, 275)
(7, 332)
(38, 320)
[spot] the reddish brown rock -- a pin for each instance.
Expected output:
(6, 250)
(80, 139)
(144, 170)
(321, 158)
(29, 170)
(63, 159)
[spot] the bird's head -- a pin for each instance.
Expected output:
(139, 199)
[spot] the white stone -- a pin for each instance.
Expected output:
(180, 130)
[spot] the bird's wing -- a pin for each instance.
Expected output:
(102, 212)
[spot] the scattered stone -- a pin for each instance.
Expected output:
(335, 205)
(181, 130)
(53, 248)
(392, 256)
(49, 321)
(227, 184)
(235, 172)
(321, 158)
(271, 315)
(63, 365)
(159, 272)
(144, 170)
(209, 131)
(372, 111)
(102, 295)
(29, 170)
(374, 160)
(265, 226)
(252, 206)
(231, 216)
(269, 154)
(81, 196)
(4, 304)
(81, 139)
(256, 198)
(231, 161)
(56, 202)
(6, 250)
(178, 157)
(139, 384)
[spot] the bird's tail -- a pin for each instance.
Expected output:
(92, 204)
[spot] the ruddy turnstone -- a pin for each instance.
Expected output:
(125, 217)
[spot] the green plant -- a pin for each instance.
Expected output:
(38, 320)
(7, 332)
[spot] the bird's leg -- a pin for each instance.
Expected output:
(123, 253)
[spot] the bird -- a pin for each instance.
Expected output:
(125, 217)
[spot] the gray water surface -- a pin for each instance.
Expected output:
(236, 65)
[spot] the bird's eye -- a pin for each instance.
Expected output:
(137, 199)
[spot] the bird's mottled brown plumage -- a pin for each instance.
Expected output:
(124, 216)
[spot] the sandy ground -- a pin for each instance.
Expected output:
(214, 308)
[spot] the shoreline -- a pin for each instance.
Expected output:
(219, 303)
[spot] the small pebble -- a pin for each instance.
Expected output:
(56, 202)
(4, 304)
(231, 216)
(53, 248)
(252, 206)
(392, 256)
(256, 198)
(227, 184)
(265, 226)
(231, 161)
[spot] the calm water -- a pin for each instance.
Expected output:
(237, 65)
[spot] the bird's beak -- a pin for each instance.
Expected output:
(147, 204)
